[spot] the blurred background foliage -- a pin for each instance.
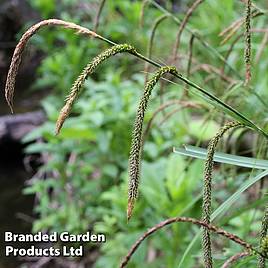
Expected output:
(82, 182)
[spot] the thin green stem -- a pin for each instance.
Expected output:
(150, 45)
(97, 18)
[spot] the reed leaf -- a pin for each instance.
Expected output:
(220, 105)
(219, 157)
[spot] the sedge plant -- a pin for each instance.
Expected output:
(138, 133)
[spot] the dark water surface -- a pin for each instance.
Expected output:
(15, 207)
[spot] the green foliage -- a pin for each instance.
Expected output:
(82, 183)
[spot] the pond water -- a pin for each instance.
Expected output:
(15, 208)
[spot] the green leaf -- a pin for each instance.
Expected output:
(39, 148)
(77, 133)
(175, 175)
(241, 161)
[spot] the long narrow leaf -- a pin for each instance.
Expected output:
(241, 161)
(219, 104)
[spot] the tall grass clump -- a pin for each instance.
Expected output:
(238, 118)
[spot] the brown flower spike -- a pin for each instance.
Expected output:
(16, 58)
(249, 248)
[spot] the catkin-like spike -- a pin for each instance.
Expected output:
(206, 209)
(248, 247)
(263, 238)
(247, 54)
(264, 246)
(16, 59)
(136, 143)
(76, 88)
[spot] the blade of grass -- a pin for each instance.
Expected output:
(241, 161)
(217, 103)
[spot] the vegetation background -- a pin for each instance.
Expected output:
(81, 181)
